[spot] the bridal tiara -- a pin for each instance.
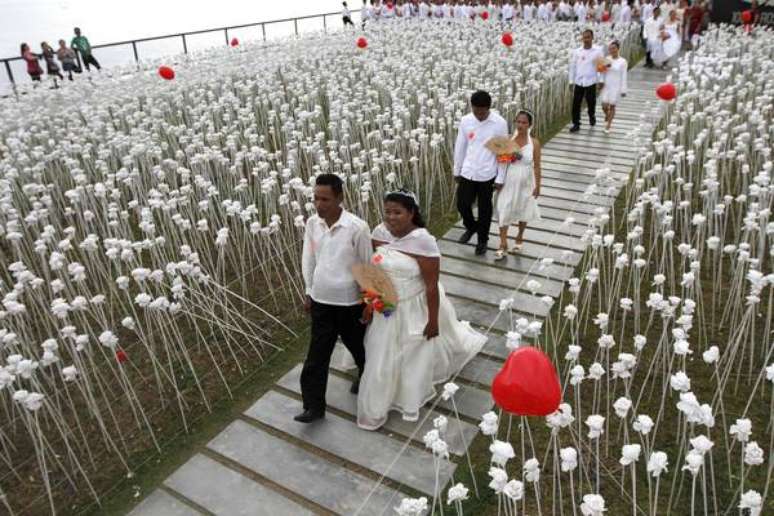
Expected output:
(405, 193)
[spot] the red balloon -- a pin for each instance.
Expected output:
(485, 15)
(362, 42)
(747, 17)
(606, 16)
(528, 384)
(507, 39)
(234, 42)
(666, 91)
(166, 73)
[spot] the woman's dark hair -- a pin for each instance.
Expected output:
(527, 114)
(406, 199)
(481, 99)
(589, 31)
(332, 180)
(616, 43)
(23, 47)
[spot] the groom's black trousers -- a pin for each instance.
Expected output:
(329, 322)
(578, 94)
(480, 193)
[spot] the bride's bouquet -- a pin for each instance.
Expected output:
(378, 292)
(505, 148)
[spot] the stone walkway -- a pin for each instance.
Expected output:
(265, 463)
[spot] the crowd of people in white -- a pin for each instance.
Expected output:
(616, 11)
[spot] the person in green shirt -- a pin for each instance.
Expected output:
(81, 44)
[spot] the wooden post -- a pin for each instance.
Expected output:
(263, 29)
(185, 45)
(295, 24)
(225, 31)
(134, 49)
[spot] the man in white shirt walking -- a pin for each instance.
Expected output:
(334, 241)
(475, 167)
(584, 79)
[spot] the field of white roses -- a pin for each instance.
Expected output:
(663, 340)
(149, 229)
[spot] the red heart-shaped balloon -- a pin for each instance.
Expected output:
(666, 91)
(166, 73)
(528, 384)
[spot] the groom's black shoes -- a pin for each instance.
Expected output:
(481, 248)
(466, 236)
(307, 416)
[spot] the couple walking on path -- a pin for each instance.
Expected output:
(401, 355)
(479, 172)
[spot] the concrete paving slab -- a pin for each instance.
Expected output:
(490, 294)
(530, 250)
(315, 478)
(519, 263)
(339, 397)
(161, 503)
(497, 276)
(222, 490)
(372, 450)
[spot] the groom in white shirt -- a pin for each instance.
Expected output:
(584, 79)
(475, 167)
(334, 241)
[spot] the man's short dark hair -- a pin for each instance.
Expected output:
(481, 99)
(589, 31)
(332, 180)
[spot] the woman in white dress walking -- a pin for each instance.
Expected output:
(421, 343)
(615, 83)
(518, 186)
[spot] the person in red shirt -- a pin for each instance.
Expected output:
(694, 18)
(33, 67)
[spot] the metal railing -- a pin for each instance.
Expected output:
(183, 35)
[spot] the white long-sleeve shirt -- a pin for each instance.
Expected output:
(508, 12)
(583, 70)
(580, 12)
(328, 256)
(625, 16)
(646, 13)
(528, 12)
(472, 160)
(424, 10)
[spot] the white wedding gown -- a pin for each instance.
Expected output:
(515, 202)
(402, 366)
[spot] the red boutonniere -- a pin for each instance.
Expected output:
(471, 135)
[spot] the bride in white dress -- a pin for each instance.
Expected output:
(518, 187)
(615, 83)
(421, 343)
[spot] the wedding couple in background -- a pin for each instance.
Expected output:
(403, 354)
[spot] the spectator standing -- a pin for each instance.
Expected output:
(66, 56)
(33, 67)
(424, 9)
(650, 32)
(48, 56)
(508, 12)
(346, 16)
(625, 15)
(584, 78)
(82, 45)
